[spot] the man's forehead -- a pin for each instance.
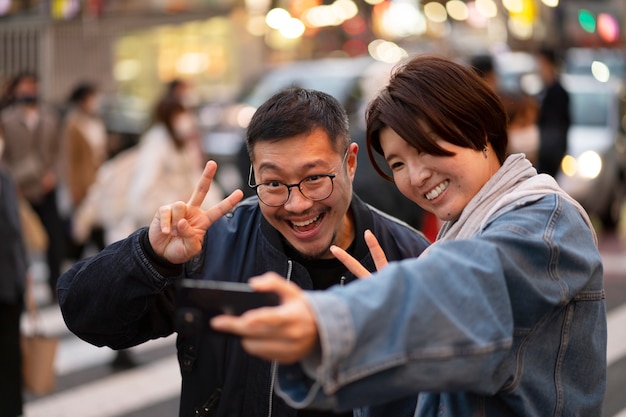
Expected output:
(313, 145)
(301, 163)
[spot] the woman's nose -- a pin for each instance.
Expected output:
(418, 173)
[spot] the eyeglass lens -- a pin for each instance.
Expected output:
(317, 187)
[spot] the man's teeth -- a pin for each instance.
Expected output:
(437, 190)
(305, 223)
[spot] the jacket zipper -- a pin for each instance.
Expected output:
(274, 363)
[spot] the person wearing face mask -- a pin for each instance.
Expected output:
(30, 131)
(181, 91)
(302, 170)
(504, 315)
(168, 164)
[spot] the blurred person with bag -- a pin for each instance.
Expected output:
(31, 153)
(84, 148)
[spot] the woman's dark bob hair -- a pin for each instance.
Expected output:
(430, 98)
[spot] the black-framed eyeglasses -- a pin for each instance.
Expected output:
(314, 187)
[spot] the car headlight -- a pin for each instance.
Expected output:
(587, 165)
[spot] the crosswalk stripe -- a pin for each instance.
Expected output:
(115, 395)
(613, 263)
(75, 354)
(616, 343)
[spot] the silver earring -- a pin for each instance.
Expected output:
(485, 152)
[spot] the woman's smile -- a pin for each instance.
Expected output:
(436, 192)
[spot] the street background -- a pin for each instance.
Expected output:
(225, 48)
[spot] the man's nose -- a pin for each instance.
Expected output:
(297, 202)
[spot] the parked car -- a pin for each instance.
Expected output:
(581, 60)
(517, 72)
(353, 81)
(594, 169)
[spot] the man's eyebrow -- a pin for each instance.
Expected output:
(269, 165)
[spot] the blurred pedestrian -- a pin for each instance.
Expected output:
(167, 164)
(554, 117)
(522, 127)
(181, 91)
(85, 148)
(6, 95)
(14, 266)
(32, 144)
(484, 66)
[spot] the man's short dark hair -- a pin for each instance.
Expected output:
(295, 111)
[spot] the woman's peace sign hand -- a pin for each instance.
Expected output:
(354, 266)
(177, 230)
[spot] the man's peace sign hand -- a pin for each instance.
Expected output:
(177, 230)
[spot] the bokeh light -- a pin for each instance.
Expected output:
(292, 28)
(457, 10)
(587, 20)
(5, 5)
(550, 3)
(192, 63)
(276, 18)
(487, 8)
(435, 12)
(608, 27)
(600, 71)
(475, 18)
(402, 19)
(386, 51)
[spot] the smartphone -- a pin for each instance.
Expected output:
(197, 301)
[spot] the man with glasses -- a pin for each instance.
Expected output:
(303, 165)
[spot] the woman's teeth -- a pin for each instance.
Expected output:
(437, 190)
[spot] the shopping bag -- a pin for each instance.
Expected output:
(38, 353)
(38, 356)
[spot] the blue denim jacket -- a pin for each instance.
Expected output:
(511, 322)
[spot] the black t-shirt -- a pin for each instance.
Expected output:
(328, 272)
(325, 273)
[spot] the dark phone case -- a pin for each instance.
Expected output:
(197, 301)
